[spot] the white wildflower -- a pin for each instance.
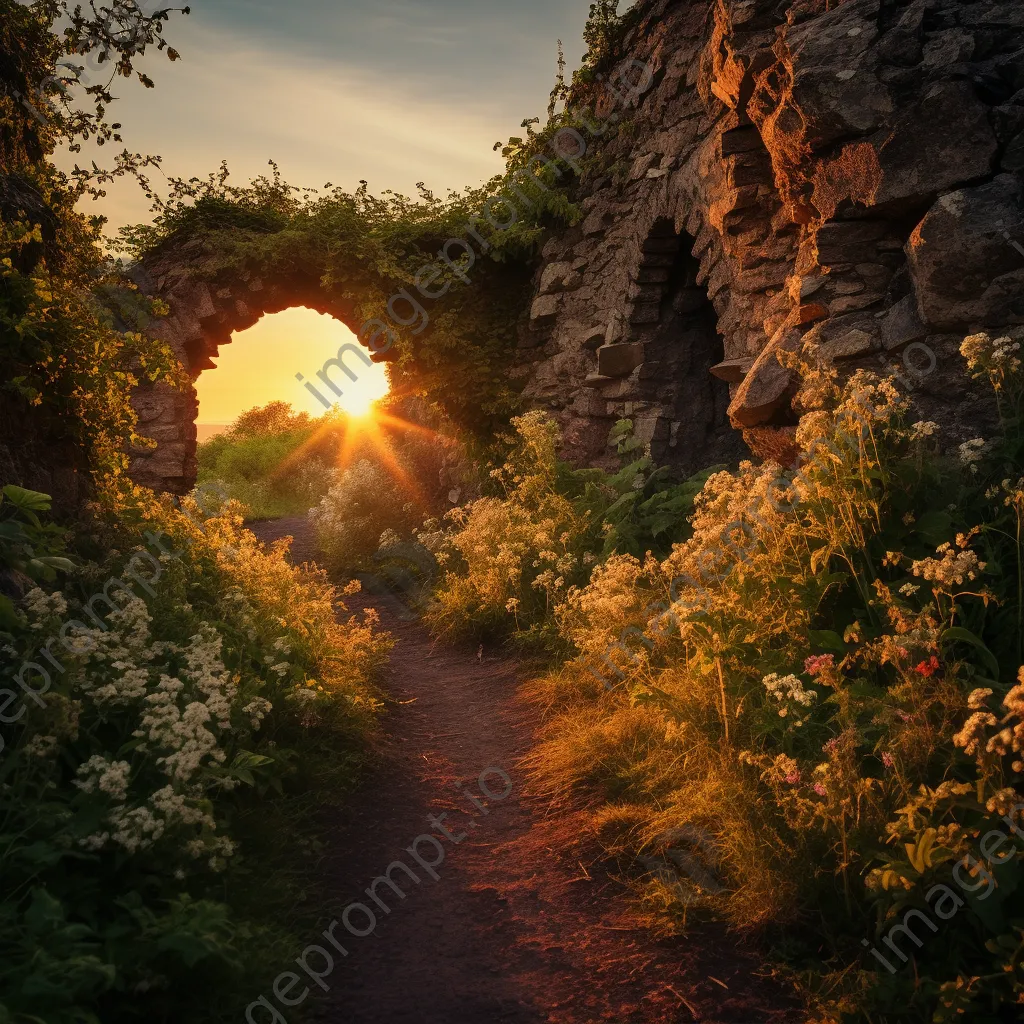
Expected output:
(788, 687)
(954, 567)
(99, 774)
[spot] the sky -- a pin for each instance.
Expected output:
(260, 364)
(391, 91)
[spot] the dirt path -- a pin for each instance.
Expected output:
(513, 931)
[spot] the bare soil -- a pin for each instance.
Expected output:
(518, 927)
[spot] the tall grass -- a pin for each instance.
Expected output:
(814, 695)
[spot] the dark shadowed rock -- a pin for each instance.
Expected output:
(965, 268)
(945, 138)
(619, 360)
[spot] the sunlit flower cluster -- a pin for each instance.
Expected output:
(953, 568)
(971, 453)
(924, 428)
(788, 688)
(996, 359)
(523, 547)
(976, 737)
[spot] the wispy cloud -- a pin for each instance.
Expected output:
(321, 122)
(342, 91)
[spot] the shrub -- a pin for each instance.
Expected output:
(169, 737)
(356, 512)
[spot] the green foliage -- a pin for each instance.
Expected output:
(524, 549)
(27, 545)
(648, 511)
(217, 705)
(48, 99)
(61, 355)
(603, 36)
(275, 462)
(66, 369)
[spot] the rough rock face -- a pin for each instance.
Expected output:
(852, 171)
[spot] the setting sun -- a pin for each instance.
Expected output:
(260, 366)
(362, 404)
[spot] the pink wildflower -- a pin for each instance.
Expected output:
(818, 663)
(819, 789)
(793, 778)
(887, 759)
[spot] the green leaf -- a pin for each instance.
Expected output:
(8, 616)
(243, 764)
(659, 524)
(45, 913)
(934, 526)
(13, 533)
(24, 499)
(247, 759)
(828, 639)
(958, 633)
(56, 562)
(621, 506)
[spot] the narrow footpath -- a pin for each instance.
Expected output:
(520, 927)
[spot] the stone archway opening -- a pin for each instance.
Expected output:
(663, 364)
(683, 350)
(208, 314)
(262, 362)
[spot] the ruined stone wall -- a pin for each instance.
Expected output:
(846, 173)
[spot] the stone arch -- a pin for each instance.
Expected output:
(204, 314)
(662, 362)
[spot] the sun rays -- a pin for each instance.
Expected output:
(365, 436)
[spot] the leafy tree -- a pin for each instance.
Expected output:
(68, 358)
